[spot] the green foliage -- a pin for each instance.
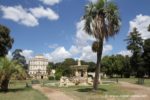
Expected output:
(50, 67)
(116, 64)
(19, 58)
(51, 78)
(35, 81)
(6, 41)
(7, 70)
(135, 45)
(63, 69)
(102, 21)
(146, 56)
(58, 74)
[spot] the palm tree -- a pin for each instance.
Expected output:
(101, 21)
(7, 70)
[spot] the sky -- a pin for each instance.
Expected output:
(54, 28)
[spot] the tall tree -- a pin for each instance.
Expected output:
(149, 28)
(146, 56)
(6, 41)
(7, 70)
(102, 21)
(20, 58)
(126, 67)
(135, 45)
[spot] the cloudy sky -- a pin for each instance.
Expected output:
(54, 28)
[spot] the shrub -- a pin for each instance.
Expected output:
(51, 78)
(58, 76)
(35, 81)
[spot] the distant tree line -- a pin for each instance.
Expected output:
(64, 68)
(137, 65)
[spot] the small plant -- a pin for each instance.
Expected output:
(35, 81)
(51, 78)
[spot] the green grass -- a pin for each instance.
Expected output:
(87, 93)
(18, 91)
(131, 80)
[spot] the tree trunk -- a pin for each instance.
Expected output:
(98, 65)
(4, 85)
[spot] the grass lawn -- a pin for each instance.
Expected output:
(131, 80)
(104, 93)
(18, 91)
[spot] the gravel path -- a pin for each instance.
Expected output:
(52, 94)
(140, 92)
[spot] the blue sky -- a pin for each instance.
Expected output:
(54, 27)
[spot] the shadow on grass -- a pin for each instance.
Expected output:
(17, 90)
(91, 90)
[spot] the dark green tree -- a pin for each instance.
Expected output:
(146, 56)
(101, 21)
(50, 67)
(64, 68)
(19, 58)
(6, 41)
(107, 65)
(135, 45)
(149, 28)
(91, 66)
(114, 65)
(126, 67)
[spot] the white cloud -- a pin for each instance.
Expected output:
(82, 38)
(74, 50)
(58, 55)
(107, 48)
(94, 1)
(40, 12)
(19, 14)
(50, 2)
(125, 52)
(87, 54)
(83, 43)
(28, 17)
(28, 54)
(9, 55)
(141, 22)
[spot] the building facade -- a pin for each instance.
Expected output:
(37, 67)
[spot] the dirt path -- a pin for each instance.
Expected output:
(140, 92)
(52, 94)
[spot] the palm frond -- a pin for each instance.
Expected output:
(113, 18)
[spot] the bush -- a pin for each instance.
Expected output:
(58, 76)
(51, 78)
(35, 82)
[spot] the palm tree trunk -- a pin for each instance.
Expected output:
(4, 85)
(98, 65)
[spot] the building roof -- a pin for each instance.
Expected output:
(39, 57)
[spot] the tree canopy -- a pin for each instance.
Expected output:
(19, 58)
(6, 41)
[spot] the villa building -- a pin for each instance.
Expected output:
(37, 67)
